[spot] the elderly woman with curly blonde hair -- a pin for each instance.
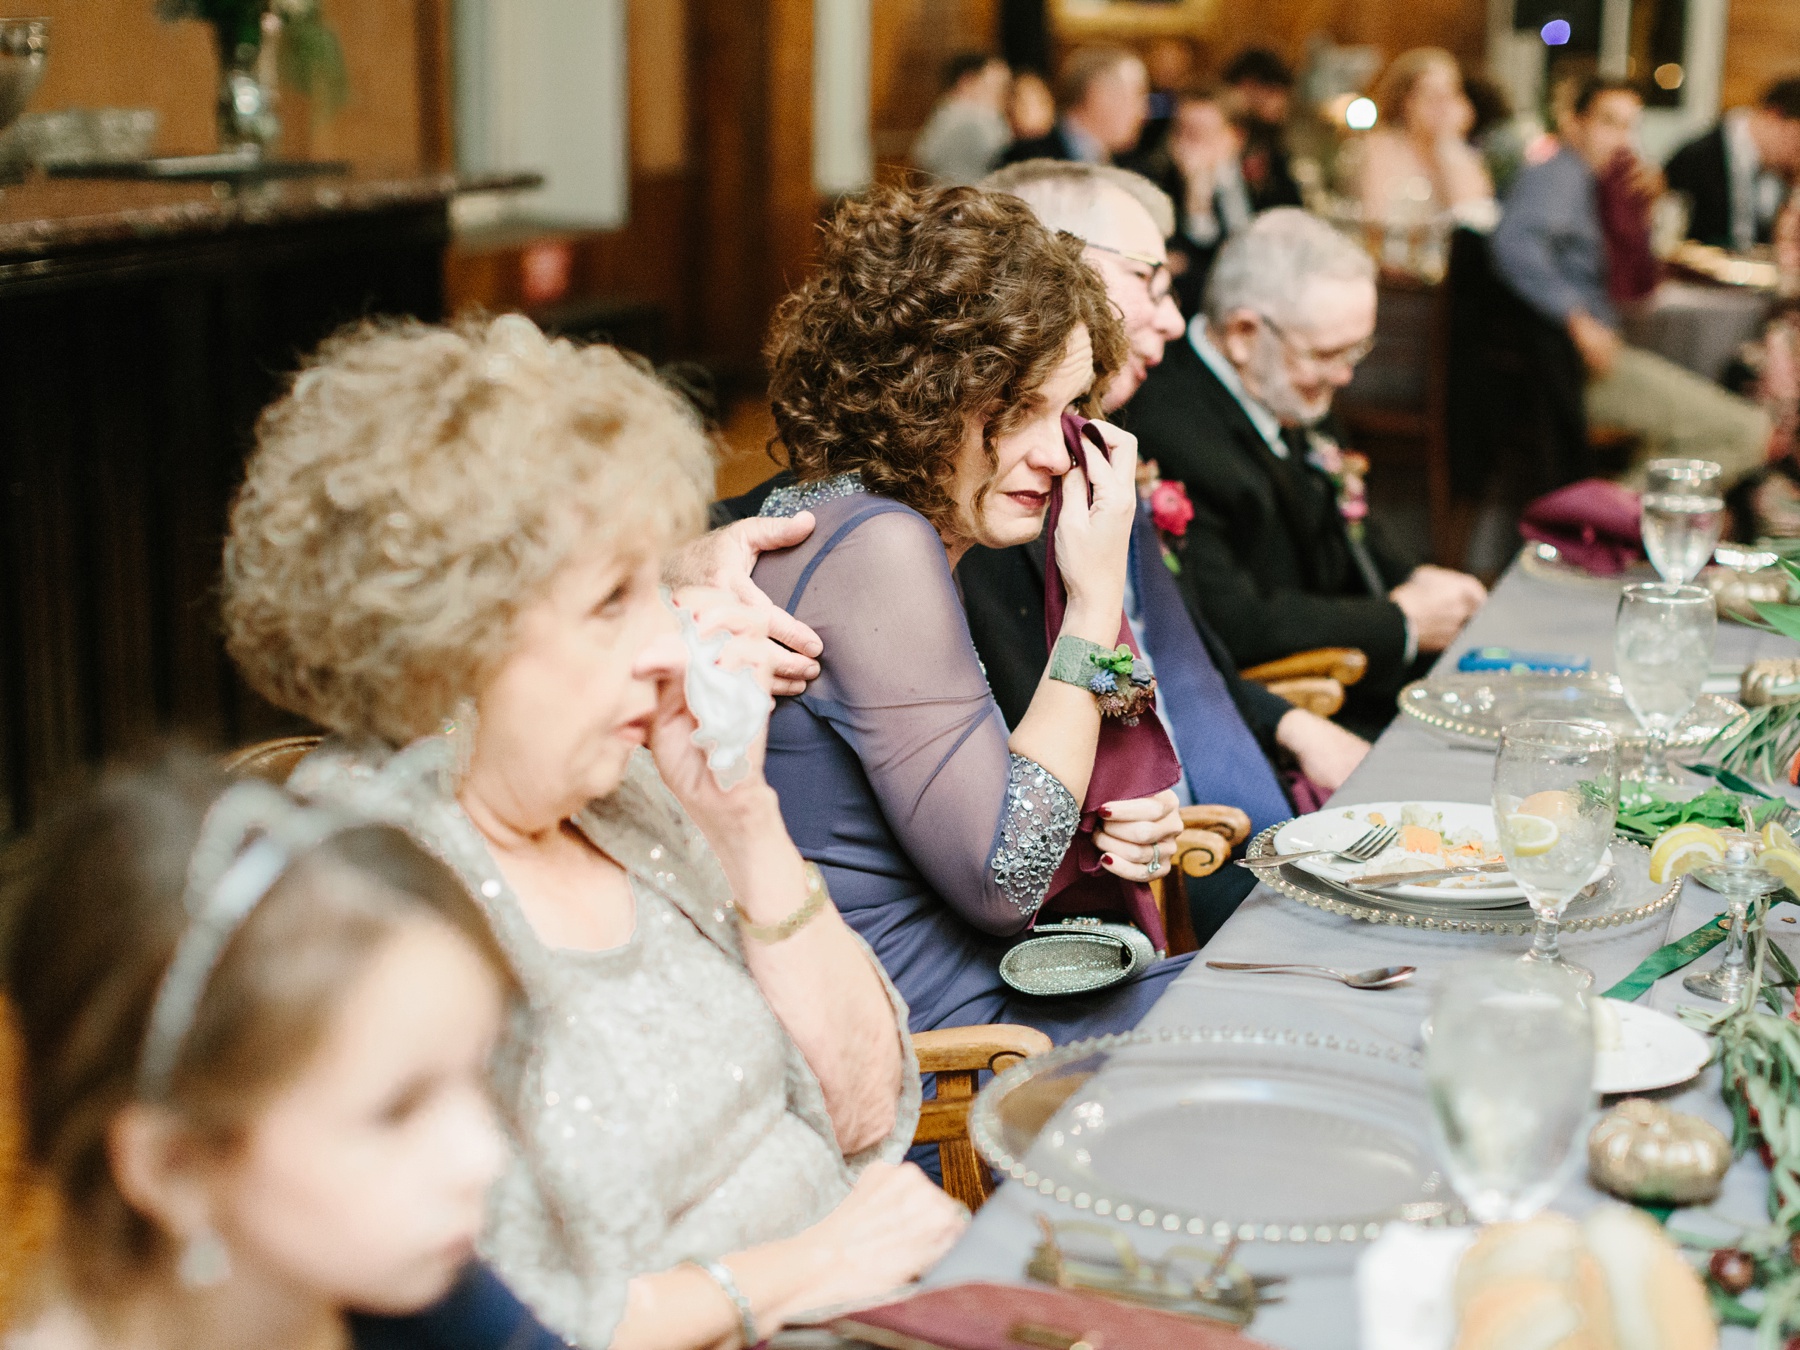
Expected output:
(920, 379)
(447, 551)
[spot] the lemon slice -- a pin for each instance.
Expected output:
(1784, 863)
(1684, 848)
(1773, 836)
(1531, 836)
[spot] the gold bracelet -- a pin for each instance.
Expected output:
(816, 896)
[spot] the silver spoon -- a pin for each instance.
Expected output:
(1382, 977)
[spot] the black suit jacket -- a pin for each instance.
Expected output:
(1003, 594)
(1055, 145)
(1266, 554)
(1699, 169)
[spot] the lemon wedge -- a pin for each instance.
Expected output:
(1531, 836)
(1784, 863)
(1684, 848)
(1773, 836)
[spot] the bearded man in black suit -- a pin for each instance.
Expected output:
(1281, 554)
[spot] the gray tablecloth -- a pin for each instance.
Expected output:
(1409, 762)
(1698, 325)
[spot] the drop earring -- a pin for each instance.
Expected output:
(205, 1262)
(459, 728)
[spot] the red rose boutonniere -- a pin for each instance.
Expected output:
(1170, 509)
(1348, 471)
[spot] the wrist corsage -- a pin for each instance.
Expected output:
(1117, 677)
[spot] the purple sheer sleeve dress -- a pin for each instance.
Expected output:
(894, 774)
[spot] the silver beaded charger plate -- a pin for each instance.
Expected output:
(1475, 706)
(1624, 895)
(1222, 1133)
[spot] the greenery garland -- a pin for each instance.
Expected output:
(1759, 1058)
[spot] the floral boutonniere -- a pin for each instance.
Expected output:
(1170, 509)
(1348, 472)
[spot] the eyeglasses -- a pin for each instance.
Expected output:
(1348, 357)
(1193, 1280)
(1159, 269)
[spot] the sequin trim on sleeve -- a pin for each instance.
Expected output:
(1040, 820)
(791, 501)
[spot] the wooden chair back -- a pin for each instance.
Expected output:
(959, 1056)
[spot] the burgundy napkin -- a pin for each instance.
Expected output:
(1594, 524)
(982, 1316)
(1129, 762)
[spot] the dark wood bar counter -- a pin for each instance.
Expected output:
(143, 326)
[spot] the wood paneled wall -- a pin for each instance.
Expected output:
(117, 53)
(1762, 45)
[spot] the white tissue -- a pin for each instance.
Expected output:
(730, 707)
(1403, 1285)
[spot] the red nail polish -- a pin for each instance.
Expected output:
(1106, 813)
(1106, 859)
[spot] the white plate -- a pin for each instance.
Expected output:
(1655, 1051)
(1340, 826)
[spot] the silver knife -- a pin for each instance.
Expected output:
(1375, 883)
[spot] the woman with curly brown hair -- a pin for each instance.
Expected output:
(920, 379)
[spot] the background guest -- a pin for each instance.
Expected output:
(1171, 64)
(1550, 250)
(1498, 134)
(1102, 98)
(1031, 107)
(1281, 553)
(1418, 162)
(448, 550)
(256, 1042)
(967, 129)
(1738, 174)
(1199, 168)
(1261, 87)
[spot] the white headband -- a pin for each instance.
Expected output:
(251, 836)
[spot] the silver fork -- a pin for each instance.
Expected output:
(1362, 849)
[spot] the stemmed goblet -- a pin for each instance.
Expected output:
(1556, 800)
(1510, 1066)
(1742, 883)
(1683, 512)
(1662, 649)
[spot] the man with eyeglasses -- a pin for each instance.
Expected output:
(1281, 553)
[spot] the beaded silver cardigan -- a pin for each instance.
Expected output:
(660, 1111)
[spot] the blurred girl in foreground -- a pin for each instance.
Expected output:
(256, 1041)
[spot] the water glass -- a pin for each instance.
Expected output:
(1556, 800)
(1662, 650)
(1684, 510)
(1510, 1067)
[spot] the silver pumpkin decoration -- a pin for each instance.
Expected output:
(1770, 680)
(1641, 1150)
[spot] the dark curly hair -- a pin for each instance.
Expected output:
(929, 307)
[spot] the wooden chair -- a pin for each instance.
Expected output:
(958, 1056)
(1314, 680)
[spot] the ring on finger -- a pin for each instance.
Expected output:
(1155, 858)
